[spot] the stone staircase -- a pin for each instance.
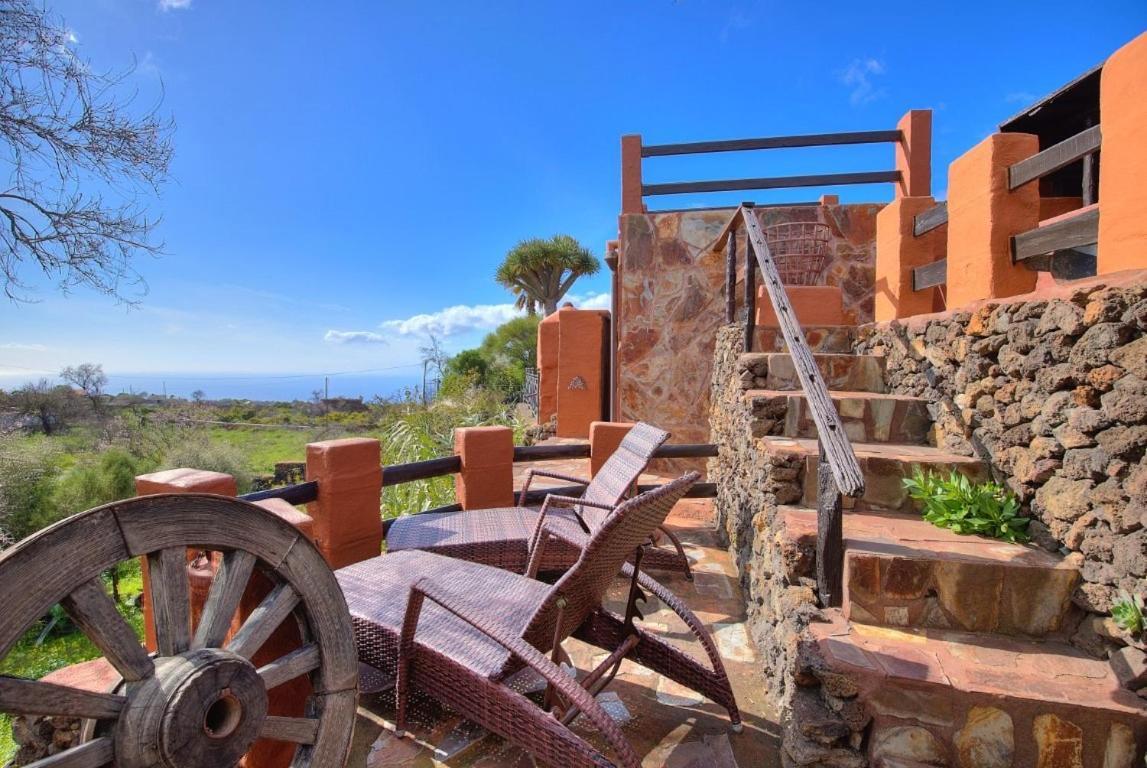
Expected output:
(949, 650)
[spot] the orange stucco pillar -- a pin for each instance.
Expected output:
(914, 154)
(346, 517)
(982, 217)
(487, 476)
(604, 437)
(581, 370)
(631, 201)
(548, 368)
(898, 252)
(182, 480)
(812, 304)
(1122, 195)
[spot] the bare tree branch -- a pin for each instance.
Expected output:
(81, 161)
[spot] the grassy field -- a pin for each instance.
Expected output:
(33, 658)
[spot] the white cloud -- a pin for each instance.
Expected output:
(23, 347)
(859, 76)
(354, 337)
(590, 301)
(454, 320)
(466, 318)
(174, 5)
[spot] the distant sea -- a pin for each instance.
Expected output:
(282, 387)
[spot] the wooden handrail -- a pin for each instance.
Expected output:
(299, 493)
(772, 142)
(772, 182)
(839, 470)
(1054, 157)
(842, 459)
(926, 221)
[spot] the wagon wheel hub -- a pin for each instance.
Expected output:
(201, 708)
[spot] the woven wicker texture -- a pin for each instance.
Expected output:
(455, 657)
(501, 536)
(799, 249)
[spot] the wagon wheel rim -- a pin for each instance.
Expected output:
(198, 699)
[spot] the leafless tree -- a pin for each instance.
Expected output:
(50, 405)
(82, 158)
(89, 377)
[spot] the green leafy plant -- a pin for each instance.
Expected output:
(1128, 611)
(957, 503)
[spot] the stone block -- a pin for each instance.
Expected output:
(487, 476)
(604, 438)
(346, 520)
(914, 154)
(898, 253)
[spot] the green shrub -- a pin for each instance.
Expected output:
(197, 451)
(1128, 612)
(28, 469)
(955, 502)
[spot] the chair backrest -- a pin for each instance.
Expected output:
(621, 470)
(584, 585)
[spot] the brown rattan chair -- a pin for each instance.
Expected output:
(458, 632)
(502, 536)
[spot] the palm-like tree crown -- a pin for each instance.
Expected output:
(540, 272)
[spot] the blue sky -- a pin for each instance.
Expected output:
(343, 168)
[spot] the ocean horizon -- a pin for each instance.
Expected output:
(243, 386)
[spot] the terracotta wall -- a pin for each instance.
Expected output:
(671, 301)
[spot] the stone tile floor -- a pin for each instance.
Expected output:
(672, 726)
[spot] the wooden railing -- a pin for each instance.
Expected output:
(843, 474)
(632, 164)
(396, 474)
(1072, 230)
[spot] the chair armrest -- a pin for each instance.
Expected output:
(539, 537)
(531, 473)
(426, 588)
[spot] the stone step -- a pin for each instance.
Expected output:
(884, 465)
(776, 370)
(869, 417)
(820, 338)
(984, 700)
(902, 571)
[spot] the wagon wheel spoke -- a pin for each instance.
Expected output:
(299, 730)
(264, 620)
(223, 600)
(31, 697)
(94, 612)
(92, 754)
(171, 608)
(290, 666)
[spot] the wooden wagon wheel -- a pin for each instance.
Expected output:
(198, 701)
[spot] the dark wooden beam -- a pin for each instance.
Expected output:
(300, 493)
(829, 536)
(551, 452)
(774, 182)
(1054, 157)
(772, 142)
(750, 286)
(731, 279)
(1068, 232)
(685, 451)
(936, 216)
(930, 275)
(395, 474)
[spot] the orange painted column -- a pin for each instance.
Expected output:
(548, 368)
(604, 437)
(346, 517)
(898, 252)
(1123, 160)
(914, 154)
(487, 476)
(982, 218)
(631, 201)
(812, 304)
(182, 480)
(582, 346)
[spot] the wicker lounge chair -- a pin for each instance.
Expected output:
(458, 632)
(502, 536)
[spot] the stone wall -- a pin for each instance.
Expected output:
(671, 301)
(1051, 390)
(823, 721)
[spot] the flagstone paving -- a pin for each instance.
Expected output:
(671, 725)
